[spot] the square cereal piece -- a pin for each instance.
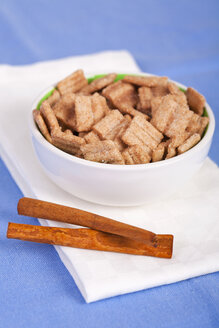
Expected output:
(123, 126)
(136, 155)
(64, 110)
(155, 103)
(158, 153)
(67, 142)
(171, 151)
(72, 83)
(109, 126)
(141, 132)
(54, 98)
(84, 116)
(135, 112)
(195, 100)
(145, 96)
(91, 137)
(181, 99)
(103, 152)
(160, 91)
(197, 124)
(41, 124)
(99, 107)
(189, 143)
(49, 117)
(164, 113)
(173, 89)
(122, 95)
(179, 138)
(146, 81)
(98, 84)
(179, 123)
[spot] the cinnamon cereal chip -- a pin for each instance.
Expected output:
(161, 89)
(197, 124)
(64, 110)
(155, 103)
(171, 152)
(41, 124)
(141, 132)
(164, 113)
(158, 153)
(103, 152)
(83, 113)
(99, 107)
(189, 143)
(72, 83)
(67, 141)
(91, 137)
(49, 117)
(181, 99)
(54, 98)
(109, 126)
(179, 123)
(173, 89)
(196, 101)
(136, 155)
(98, 84)
(122, 95)
(123, 126)
(146, 81)
(145, 96)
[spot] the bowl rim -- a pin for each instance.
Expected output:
(136, 167)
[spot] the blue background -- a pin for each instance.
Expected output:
(179, 39)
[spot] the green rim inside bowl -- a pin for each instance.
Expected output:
(118, 77)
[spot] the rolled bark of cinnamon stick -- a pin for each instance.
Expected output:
(50, 211)
(89, 239)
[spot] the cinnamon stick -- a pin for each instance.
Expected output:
(89, 239)
(50, 211)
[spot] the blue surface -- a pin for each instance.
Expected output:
(175, 38)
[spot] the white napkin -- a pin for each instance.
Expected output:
(191, 215)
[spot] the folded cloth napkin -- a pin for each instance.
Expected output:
(191, 214)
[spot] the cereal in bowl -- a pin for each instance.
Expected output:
(125, 119)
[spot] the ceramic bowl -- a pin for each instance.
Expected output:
(119, 185)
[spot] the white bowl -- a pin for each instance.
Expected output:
(119, 185)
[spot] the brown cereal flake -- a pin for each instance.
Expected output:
(136, 155)
(146, 81)
(189, 143)
(171, 152)
(141, 132)
(173, 89)
(164, 113)
(72, 83)
(122, 95)
(64, 110)
(108, 127)
(195, 100)
(54, 98)
(99, 107)
(179, 123)
(197, 124)
(91, 137)
(124, 125)
(98, 84)
(145, 96)
(49, 117)
(158, 153)
(41, 124)
(68, 142)
(83, 113)
(103, 152)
